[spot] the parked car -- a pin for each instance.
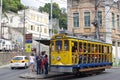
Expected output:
(19, 61)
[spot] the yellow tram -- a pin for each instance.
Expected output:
(75, 55)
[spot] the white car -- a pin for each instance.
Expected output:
(19, 61)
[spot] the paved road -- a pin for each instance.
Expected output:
(8, 74)
(111, 74)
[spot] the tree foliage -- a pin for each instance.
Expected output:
(12, 5)
(56, 13)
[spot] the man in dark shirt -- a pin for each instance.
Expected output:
(38, 61)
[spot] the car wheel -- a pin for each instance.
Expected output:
(25, 66)
(12, 68)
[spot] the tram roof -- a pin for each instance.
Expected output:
(71, 35)
(87, 39)
(43, 41)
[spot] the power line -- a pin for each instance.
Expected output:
(109, 10)
(58, 1)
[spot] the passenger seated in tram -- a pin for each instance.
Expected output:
(74, 48)
(80, 49)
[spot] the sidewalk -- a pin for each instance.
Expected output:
(40, 76)
(7, 65)
(33, 75)
(116, 67)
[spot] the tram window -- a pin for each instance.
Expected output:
(85, 47)
(107, 49)
(88, 47)
(102, 49)
(52, 46)
(96, 48)
(74, 48)
(66, 45)
(99, 48)
(58, 45)
(80, 47)
(92, 48)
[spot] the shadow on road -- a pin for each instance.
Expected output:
(72, 76)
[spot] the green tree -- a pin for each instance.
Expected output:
(12, 5)
(56, 10)
(56, 14)
(63, 21)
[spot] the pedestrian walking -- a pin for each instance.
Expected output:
(46, 64)
(32, 61)
(38, 61)
(42, 61)
(42, 65)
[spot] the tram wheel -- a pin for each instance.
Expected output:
(76, 71)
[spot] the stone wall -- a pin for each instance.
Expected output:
(7, 56)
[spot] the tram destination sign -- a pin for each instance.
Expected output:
(28, 38)
(58, 37)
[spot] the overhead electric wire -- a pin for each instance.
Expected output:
(109, 10)
(64, 2)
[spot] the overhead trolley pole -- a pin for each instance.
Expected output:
(95, 23)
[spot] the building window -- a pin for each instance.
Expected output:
(118, 44)
(113, 20)
(87, 19)
(100, 18)
(45, 30)
(113, 43)
(31, 27)
(118, 21)
(75, 19)
(38, 29)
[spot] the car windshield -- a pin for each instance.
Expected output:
(18, 58)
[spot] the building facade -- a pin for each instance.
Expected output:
(29, 20)
(81, 15)
(35, 22)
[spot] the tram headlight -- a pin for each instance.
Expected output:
(58, 58)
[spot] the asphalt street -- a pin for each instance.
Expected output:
(110, 74)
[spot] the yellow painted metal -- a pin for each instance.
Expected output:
(103, 54)
(28, 47)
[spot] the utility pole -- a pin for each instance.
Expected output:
(51, 19)
(0, 19)
(95, 23)
(24, 33)
(40, 29)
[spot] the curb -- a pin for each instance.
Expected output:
(31, 76)
(41, 76)
(7, 65)
(115, 67)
